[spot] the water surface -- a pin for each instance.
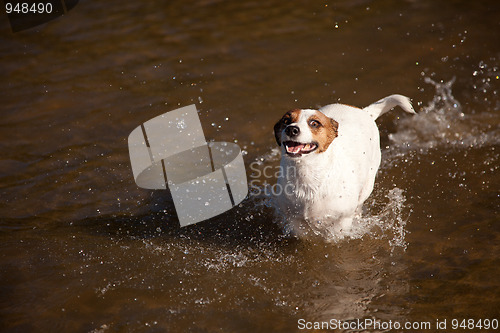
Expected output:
(83, 249)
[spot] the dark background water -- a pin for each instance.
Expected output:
(84, 249)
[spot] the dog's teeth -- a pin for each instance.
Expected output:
(298, 148)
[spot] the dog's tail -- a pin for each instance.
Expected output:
(380, 107)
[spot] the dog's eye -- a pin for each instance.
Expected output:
(314, 123)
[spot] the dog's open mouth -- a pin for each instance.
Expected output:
(296, 149)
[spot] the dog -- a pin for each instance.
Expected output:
(329, 160)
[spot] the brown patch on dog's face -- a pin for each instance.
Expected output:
(288, 118)
(323, 129)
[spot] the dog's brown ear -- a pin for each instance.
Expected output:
(277, 131)
(335, 126)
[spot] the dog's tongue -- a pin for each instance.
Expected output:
(295, 147)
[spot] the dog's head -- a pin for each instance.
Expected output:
(302, 132)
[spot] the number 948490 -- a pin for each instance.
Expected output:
(28, 8)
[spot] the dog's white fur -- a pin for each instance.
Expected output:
(323, 191)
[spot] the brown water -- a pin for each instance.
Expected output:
(83, 249)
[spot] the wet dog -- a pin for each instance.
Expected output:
(331, 156)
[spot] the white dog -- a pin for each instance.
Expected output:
(329, 159)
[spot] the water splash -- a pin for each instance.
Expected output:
(442, 122)
(439, 122)
(390, 223)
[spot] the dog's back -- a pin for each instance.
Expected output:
(358, 143)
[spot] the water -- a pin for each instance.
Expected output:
(83, 249)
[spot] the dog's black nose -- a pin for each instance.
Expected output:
(292, 131)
